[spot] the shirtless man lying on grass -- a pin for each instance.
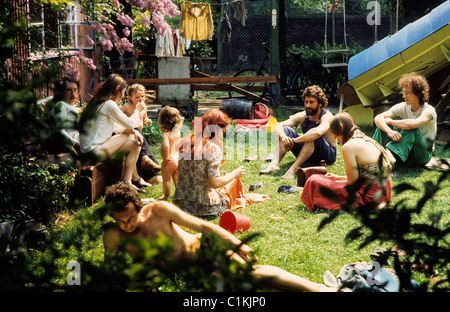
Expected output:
(137, 221)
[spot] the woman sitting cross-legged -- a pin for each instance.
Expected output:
(201, 189)
(361, 155)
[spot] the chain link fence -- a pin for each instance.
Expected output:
(308, 30)
(303, 28)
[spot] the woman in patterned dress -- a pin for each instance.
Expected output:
(202, 190)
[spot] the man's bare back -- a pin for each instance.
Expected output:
(150, 223)
(169, 220)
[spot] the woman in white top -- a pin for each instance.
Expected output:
(98, 120)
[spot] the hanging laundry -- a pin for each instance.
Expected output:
(175, 41)
(225, 29)
(196, 21)
(164, 43)
(239, 11)
(179, 48)
(186, 45)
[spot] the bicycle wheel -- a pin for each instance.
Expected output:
(198, 64)
(299, 82)
(261, 89)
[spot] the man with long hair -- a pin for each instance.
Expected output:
(316, 144)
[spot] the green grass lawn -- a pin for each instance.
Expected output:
(291, 239)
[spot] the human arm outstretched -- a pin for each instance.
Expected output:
(176, 215)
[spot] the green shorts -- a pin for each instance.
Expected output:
(411, 149)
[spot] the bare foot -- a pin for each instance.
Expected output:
(142, 183)
(270, 168)
(163, 198)
(288, 176)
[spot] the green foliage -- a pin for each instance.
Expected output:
(154, 265)
(214, 269)
(422, 234)
(152, 133)
(312, 57)
(29, 184)
(201, 48)
(188, 109)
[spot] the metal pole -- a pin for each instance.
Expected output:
(345, 30)
(396, 19)
(326, 24)
(274, 88)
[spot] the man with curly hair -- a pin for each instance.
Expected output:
(316, 144)
(408, 129)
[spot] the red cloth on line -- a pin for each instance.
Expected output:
(313, 199)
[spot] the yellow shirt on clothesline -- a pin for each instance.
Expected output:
(196, 21)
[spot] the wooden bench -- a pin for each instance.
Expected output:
(92, 180)
(204, 82)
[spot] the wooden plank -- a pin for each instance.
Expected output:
(203, 80)
(332, 65)
(229, 87)
(221, 87)
(200, 81)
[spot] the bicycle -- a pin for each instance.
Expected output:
(299, 77)
(256, 88)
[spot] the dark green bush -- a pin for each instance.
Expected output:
(30, 184)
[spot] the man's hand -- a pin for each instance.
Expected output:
(394, 136)
(287, 142)
(244, 252)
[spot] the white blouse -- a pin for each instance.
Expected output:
(100, 128)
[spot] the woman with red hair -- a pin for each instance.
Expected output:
(201, 190)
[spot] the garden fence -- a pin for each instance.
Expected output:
(303, 30)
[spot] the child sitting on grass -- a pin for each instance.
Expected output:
(170, 121)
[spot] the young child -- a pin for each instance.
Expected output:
(147, 165)
(136, 94)
(170, 121)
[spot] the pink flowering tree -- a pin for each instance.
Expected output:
(107, 16)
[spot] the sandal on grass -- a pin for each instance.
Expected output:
(289, 189)
(140, 183)
(254, 187)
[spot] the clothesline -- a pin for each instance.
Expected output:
(228, 2)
